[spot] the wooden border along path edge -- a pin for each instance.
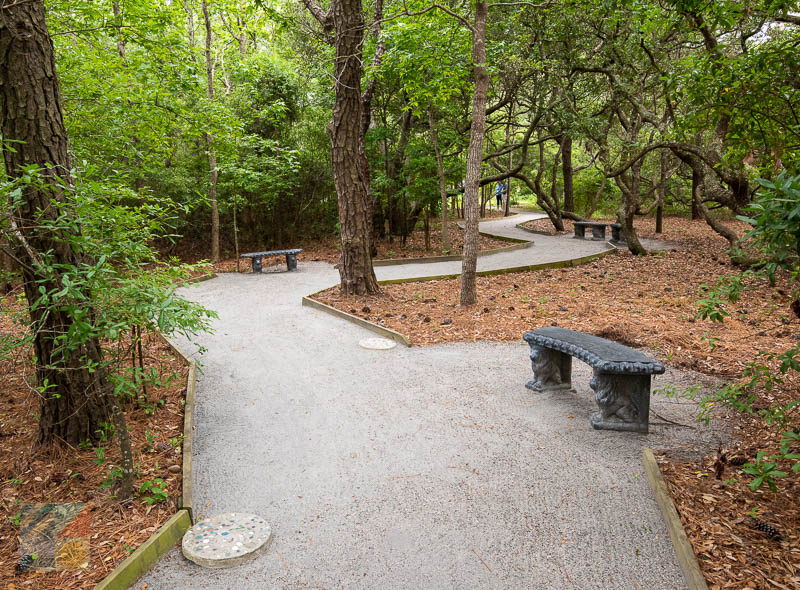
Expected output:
(402, 338)
(160, 542)
(683, 548)
(502, 271)
(140, 561)
(185, 501)
(518, 245)
(380, 330)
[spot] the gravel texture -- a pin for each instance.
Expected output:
(412, 467)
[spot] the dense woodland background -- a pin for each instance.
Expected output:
(156, 94)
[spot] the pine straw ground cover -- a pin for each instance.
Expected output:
(32, 474)
(649, 303)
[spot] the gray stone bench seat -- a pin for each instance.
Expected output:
(291, 257)
(621, 380)
(598, 229)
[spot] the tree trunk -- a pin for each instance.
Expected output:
(697, 187)
(567, 173)
(75, 394)
(350, 168)
(213, 173)
(469, 263)
(118, 20)
(446, 244)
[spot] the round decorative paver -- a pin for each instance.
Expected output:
(226, 540)
(377, 343)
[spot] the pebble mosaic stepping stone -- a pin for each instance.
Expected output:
(226, 540)
(377, 343)
(53, 536)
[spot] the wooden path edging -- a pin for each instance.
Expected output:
(502, 271)
(141, 560)
(518, 245)
(683, 548)
(165, 538)
(380, 330)
(402, 338)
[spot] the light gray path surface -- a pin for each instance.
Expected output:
(542, 249)
(409, 468)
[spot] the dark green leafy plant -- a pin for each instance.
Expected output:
(764, 471)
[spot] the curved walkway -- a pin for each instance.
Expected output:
(414, 468)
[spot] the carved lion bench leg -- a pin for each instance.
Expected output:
(624, 402)
(256, 263)
(552, 370)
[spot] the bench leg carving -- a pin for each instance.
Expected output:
(256, 264)
(580, 231)
(291, 261)
(552, 370)
(624, 402)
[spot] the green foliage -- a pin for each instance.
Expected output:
(764, 471)
(153, 491)
(727, 288)
(114, 475)
(775, 217)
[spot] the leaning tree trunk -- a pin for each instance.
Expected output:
(349, 161)
(469, 263)
(75, 397)
(630, 187)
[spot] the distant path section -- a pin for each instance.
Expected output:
(541, 250)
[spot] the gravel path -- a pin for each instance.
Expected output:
(417, 468)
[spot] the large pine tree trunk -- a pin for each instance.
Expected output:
(469, 263)
(350, 168)
(75, 400)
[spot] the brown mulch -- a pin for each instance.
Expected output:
(545, 227)
(32, 474)
(648, 302)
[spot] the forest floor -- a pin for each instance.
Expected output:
(651, 303)
(30, 473)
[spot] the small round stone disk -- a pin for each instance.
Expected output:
(377, 343)
(226, 540)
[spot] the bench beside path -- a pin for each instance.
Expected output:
(621, 379)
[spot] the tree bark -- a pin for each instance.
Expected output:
(567, 173)
(75, 393)
(118, 20)
(350, 168)
(474, 156)
(697, 187)
(213, 172)
(446, 244)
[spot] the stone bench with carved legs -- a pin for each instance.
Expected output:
(621, 380)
